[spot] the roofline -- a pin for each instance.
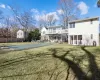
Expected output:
(86, 19)
(55, 26)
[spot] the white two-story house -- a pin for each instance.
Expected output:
(79, 32)
(84, 32)
(57, 33)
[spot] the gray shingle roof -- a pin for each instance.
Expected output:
(86, 19)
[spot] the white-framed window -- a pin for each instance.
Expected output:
(91, 36)
(91, 22)
(43, 32)
(72, 25)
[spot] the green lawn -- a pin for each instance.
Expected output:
(48, 63)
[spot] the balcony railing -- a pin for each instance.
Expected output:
(65, 31)
(57, 31)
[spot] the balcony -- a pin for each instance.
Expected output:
(51, 32)
(57, 31)
(65, 31)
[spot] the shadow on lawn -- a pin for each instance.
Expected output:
(4, 51)
(79, 73)
(7, 63)
(72, 65)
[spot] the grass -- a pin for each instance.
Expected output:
(40, 64)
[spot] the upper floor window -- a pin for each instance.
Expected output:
(54, 29)
(50, 30)
(72, 25)
(43, 32)
(91, 36)
(91, 22)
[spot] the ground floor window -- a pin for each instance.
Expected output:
(80, 39)
(75, 39)
(71, 39)
(91, 36)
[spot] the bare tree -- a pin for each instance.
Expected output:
(4, 30)
(42, 22)
(47, 20)
(50, 19)
(24, 18)
(69, 9)
(14, 26)
(7, 27)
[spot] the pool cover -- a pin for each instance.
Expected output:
(28, 46)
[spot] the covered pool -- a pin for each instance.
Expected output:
(28, 46)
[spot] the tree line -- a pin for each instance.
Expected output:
(25, 20)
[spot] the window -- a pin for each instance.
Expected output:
(54, 29)
(72, 25)
(91, 22)
(91, 36)
(20, 33)
(43, 32)
(79, 37)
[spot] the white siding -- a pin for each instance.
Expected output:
(58, 30)
(43, 31)
(86, 29)
(20, 34)
(43, 34)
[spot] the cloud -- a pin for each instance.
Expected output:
(55, 16)
(60, 11)
(8, 7)
(3, 6)
(44, 16)
(83, 7)
(34, 10)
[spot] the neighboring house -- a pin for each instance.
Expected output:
(84, 32)
(20, 35)
(54, 33)
(79, 32)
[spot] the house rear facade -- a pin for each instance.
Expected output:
(79, 32)
(84, 32)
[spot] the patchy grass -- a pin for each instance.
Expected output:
(41, 64)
